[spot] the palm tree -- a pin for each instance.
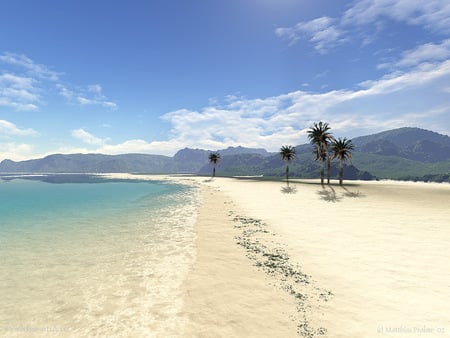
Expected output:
(287, 154)
(214, 158)
(342, 149)
(321, 138)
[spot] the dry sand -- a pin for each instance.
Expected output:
(381, 248)
(370, 259)
(225, 295)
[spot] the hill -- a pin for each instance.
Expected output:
(404, 153)
(410, 143)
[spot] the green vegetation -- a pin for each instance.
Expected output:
(214, 158)
(342, 150)
(401, 154)
(395, 167)
(287, 154)
(321, 138)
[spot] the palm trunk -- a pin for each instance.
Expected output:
(341, 171)
(287, 173)
(322, 172)
(328, 168)
(214, 171)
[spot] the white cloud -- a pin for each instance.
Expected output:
(18, 92)
(109, 104)
(272, 121)
(17, 105)
(87, 137)
(21, 92)
(95, 88)
(167, 148)
(325, 33)
(33, 68)
(16, 151)
(65, 92)
(322, 32)
(432, 14)
(421, 75)
(90, 95)
(284, 119)
(429, 52)
(10, 129)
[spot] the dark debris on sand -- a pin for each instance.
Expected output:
(270, 257)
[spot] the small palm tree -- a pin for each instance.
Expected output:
(321, 138)
(342, 150)
(214, 158)
(287, 154)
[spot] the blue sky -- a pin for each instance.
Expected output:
(156, 76)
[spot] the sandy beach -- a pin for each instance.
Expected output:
(374, 256)
(368, 259)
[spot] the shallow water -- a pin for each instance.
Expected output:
(103, 258)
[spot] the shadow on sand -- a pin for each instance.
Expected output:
(328, 194)
(288, 189)
(352, 194)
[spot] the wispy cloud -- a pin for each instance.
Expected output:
(34, 69)
(434, 15)
(284, 119)
(18, 92)
(426, 53)
(89, 95)
(10, 129)
(26, 83)
(325, 33)
(87, 137)
(322, 32)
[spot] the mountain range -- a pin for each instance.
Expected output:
(404, 153)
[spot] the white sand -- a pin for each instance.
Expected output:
(382, 249)
(225, 295)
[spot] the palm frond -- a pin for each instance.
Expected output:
(342, 149)
(214, 157)
(287, 153)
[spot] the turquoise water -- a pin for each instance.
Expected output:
(81, 255)
(31, 205)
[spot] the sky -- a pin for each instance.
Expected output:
(156, 76)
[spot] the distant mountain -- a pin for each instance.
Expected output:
(409, 143)
(241, 150)
(91, 163)
(405, 153)
(184, 161)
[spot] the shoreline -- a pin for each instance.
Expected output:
(225, 295)
(379, 249)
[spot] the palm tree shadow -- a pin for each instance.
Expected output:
(353, 194)
(288, 189)
(329, 195)
(208, 180)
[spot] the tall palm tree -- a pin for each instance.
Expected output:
(342, 150)
(287, 154)
(214, 158)
(321, 138)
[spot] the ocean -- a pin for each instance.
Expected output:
(81, 255)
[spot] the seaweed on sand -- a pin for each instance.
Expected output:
(270, 257)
